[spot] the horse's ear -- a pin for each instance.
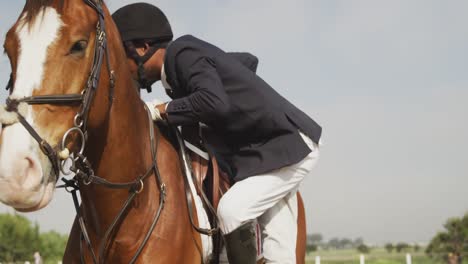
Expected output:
(10, 83)
(96, 2)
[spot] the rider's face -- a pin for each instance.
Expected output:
(152, 66)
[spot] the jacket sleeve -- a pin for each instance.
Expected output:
(247, 59)
(206, 99)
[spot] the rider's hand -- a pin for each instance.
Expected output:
(162, 109)
(155, 114)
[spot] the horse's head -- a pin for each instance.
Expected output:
(51, 50)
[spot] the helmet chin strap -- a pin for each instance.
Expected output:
(142, 81)
(140, 61)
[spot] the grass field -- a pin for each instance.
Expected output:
(376, 256)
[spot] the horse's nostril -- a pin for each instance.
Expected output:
(32, 174)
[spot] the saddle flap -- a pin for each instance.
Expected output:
(209, 176)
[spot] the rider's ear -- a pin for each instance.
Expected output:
(142, 49)
(146, 47)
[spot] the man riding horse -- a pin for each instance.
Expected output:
(269, 145)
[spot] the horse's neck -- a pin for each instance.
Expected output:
(119, 150)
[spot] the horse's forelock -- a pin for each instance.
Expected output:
(33, 7)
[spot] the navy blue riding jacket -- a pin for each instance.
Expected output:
(255, 129)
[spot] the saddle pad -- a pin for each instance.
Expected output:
(203, 222)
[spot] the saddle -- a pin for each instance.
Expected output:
(210, 179)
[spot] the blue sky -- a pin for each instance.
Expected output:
(387, 81)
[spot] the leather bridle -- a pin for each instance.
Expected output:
(81, 167)
(80, 164)
(85, 98)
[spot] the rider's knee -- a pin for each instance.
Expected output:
(230, 215)
(226, 209)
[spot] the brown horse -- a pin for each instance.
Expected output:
(56, 48)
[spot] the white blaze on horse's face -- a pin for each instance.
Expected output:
(26, 179)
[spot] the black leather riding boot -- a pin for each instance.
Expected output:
(241, 245)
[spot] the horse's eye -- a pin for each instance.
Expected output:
(79, 47)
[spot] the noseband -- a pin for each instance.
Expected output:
(59, 155)
(85, 98)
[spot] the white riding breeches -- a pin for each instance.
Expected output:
(271, 199)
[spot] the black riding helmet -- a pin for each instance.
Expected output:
(143, 22)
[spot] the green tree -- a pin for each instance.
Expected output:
(52, 245)
(401, 246)
(314, 239)
(345, 243)
(453, 241)
(311, 248)
(363, 249)
(19, 239)
(358, 241)
(334, 243)
(389, 247)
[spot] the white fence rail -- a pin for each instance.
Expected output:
(362, 259)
